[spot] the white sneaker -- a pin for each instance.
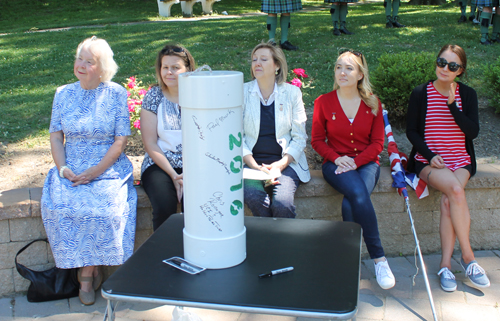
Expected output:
(385, 278)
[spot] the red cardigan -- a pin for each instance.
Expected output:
(333, 135)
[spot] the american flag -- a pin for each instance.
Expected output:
(399, 177)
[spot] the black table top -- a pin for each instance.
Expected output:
(324, 283)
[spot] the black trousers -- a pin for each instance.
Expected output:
(161, 192)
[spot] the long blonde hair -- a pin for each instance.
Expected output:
(364, 86)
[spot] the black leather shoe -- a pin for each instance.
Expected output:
(288, 46)
(471, 18)
(345, 31)
(396, 24)
(336, 32)
(388, 24)
(486, 42)
(462, 19)
(496, 40)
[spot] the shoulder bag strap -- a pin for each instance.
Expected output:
(19, 266)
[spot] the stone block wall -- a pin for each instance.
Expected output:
(20, 220)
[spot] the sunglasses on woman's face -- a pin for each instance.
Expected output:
(452, 66)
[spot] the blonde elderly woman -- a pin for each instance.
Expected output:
(88, 201)
(274, 134)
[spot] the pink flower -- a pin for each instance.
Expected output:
(128, 94)
(137, 124)
(300, 72)
(131, 108)
(297, 82)
(132, 79)
(131, 85)
(142, 92)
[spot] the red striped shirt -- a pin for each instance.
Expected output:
(442, 134)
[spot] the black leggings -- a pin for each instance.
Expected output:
(161, 192)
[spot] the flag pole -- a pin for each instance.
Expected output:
(398, 177)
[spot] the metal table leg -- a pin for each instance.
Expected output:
(109, 314)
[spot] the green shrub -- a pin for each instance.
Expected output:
(492, 82)
(395, 78)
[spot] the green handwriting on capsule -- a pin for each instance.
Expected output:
(236, 159)
(233, 141)
(236, 166)
(236, 206)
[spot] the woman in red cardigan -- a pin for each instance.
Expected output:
(348, 132)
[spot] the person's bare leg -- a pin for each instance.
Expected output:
(446, 233)
(87, 271)
(452, 185)
(463, 176)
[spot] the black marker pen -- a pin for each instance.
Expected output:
(274, 272)
(184, 265)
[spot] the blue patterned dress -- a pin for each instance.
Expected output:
(92, 224)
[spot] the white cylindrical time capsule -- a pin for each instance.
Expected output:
(211, 113)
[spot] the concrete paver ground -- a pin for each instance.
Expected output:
(403, 302)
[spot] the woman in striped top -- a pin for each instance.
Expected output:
(442, 121)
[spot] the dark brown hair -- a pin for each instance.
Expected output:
(173, 50)
(460, 52)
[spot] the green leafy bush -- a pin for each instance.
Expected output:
(492, 82)
(397, 75)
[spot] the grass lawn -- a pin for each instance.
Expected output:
(34, 64)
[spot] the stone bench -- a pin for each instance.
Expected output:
(20, 220)
(164, 6)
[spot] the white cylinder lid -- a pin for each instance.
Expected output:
(211, 90)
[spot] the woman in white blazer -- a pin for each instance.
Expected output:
(274, 135)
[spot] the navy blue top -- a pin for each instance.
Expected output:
(267, 150)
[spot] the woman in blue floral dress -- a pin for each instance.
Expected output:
(88, 201)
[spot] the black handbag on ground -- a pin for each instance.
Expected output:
(52, 284)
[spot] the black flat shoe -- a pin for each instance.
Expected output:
(336, 32)
(462, 19)
(486, 42)
(345, 31)
(396, 24)
(389, 24)
(288, 46)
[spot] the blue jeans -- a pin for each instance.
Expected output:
(281, 205)
(356, 186)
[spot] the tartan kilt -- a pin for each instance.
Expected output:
(346, 1)
(487, 3)
(281, 6)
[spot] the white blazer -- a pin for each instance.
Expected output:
(290, 123)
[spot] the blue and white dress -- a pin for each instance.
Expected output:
(92, 224)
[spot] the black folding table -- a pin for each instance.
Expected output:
(324, 283)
